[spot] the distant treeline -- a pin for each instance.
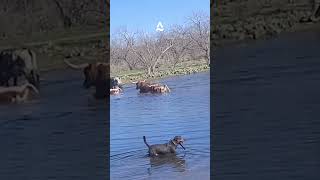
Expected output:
(173, 46)
(23, 17)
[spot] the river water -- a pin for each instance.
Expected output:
(61, 135)
(266, 109)
(265, 121)
(185, 112)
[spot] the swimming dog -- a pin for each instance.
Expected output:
(170, 147)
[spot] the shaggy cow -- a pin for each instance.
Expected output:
(10, 69)
(90, 73)
(146, 87)
(15, 63)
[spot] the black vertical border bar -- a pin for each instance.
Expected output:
(106, 20)
(212, 62)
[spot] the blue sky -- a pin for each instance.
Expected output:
(145, 14)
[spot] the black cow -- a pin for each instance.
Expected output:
(10, 68)
(16, 63)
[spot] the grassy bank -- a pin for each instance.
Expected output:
(131, 76)
(80, 45)
(245, 21)
(88, 46)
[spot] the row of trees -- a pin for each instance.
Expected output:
(46, 15)
(148, 51)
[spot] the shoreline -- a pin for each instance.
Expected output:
(301, 27)
(260, 24)
(162, 74)
(249, 21)
(129, 77)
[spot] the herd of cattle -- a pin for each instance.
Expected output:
(94, 72)
(20, 78)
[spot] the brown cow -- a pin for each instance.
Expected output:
(90, 74)
(18, 93)
(16, 63)
(160, 89)
(146, 87)
(90, 71)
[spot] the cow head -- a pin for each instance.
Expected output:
(141, 83)
(115, 82)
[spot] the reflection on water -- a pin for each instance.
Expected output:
(174, 161)
(266, 109)
(61, 135)
(183, 112)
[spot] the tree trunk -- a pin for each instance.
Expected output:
(129, 65)
(208, 57)
(153, 68)
(149, 70)
(66, 20)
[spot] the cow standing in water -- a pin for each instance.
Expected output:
(96, 74)
(147, 87)
(15, 63)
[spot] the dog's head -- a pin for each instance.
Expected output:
(178, 140)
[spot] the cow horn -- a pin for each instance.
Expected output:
(32, 87)
(18, 88)
(74, 66)
(10, 89)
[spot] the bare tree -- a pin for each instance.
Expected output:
(64, 17)
(148, 49)
(181, 45)
(172, 47)
(199, 32)
(121, 53)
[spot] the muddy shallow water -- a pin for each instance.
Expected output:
(61, 135)
(185, 112)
